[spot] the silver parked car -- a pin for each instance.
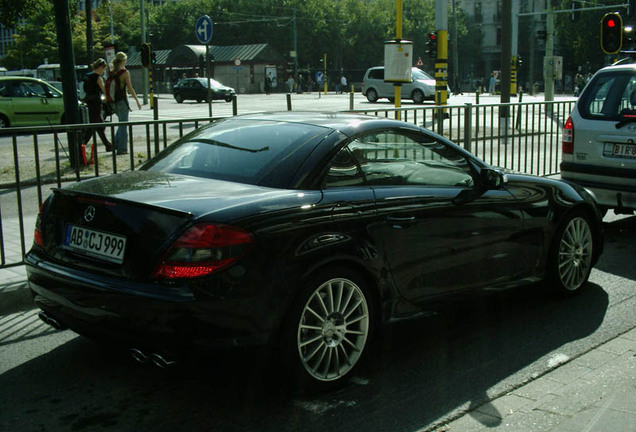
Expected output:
(421, 88)
(599, 138)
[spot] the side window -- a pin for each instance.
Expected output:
(4, 90)
(394, 158)
(376, 74)
(343, 171)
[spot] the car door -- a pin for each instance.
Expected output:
(35, 103)
(435, 243)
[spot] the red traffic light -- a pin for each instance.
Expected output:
(611, 33)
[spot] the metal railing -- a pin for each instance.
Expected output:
(35, 159)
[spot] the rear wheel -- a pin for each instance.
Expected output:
(571, 255)
(4, 122)
(417, 96)
(372, 95)
(328, 328)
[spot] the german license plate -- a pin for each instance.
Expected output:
(620, 150)
(99, 244)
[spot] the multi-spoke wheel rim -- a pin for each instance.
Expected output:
(575, 254)
(333, 329)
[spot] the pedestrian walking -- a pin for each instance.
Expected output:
(492, 84)
(120, 105)
(94, 88)
(343, 84)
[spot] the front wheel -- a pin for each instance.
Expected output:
(328, 329)
(4, 122)
(178, 97)
(372, 95)
(571, 254)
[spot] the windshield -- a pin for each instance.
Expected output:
(263, 153)
(213, 82)
(418, 74)
(610, 96)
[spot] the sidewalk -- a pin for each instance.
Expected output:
(595, 392)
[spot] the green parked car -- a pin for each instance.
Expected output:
(28, 101)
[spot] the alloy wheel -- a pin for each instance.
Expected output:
(333, 329)
(575, 253)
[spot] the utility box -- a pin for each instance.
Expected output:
(553, 67)
(398, 61)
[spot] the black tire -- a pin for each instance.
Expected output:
(4, 122)
(200, 100)
(178, 97)
(228, 99)
(328, 329)
(372, 95)
(417, 96)
(571, 254)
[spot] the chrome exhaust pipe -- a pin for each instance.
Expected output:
(51, 321)
(161, 361)
(138, 355)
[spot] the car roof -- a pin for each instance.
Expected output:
(347, 123)
(619, 67)
(19, 78)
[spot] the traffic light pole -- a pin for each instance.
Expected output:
(441, 63)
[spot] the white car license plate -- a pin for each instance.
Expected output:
(621, 150)
(99, 244)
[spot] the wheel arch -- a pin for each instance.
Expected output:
(346, 262)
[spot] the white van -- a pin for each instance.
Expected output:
(421, 88)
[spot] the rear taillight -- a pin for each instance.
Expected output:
(567, 146)
(37, 233)
(203, 249)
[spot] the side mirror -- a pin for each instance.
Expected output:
(493, 179)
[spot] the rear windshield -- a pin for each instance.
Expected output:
(265, 153)
(609, 96)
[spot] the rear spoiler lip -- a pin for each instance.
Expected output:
(112, 201)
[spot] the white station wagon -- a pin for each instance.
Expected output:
(599, 139)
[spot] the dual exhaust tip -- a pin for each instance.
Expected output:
(51, 321)
(162, 361)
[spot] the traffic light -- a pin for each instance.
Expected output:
(519, 62)
(611, 33)
(145, 54)
(153, 58)
(431, 45)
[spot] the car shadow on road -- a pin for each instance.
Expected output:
(418, 372)
(619, 255)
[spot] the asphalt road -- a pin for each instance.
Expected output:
(419, 372)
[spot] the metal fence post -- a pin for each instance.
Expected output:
(155, 116)
(289, 106)
(468, 127)
(234, 105)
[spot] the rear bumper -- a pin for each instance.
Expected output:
(614, 188)
(120, 312)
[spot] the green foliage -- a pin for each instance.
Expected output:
(351, 32)
(579, 41)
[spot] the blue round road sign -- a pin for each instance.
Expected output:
(320, 77)
(204, 29)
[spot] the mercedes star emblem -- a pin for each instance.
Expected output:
(89, 213)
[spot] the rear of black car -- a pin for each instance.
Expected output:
(167, 255)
